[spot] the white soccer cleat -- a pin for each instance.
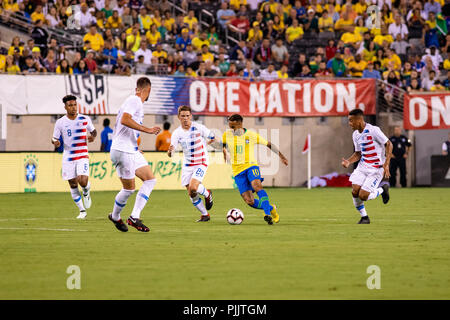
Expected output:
(82, 215)
(87, 201)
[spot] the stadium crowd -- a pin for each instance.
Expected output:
(402, 42)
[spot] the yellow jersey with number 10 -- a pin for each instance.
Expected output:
(242, 149)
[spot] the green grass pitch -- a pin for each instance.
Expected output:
(317, 251)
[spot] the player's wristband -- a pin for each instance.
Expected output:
(54, 140)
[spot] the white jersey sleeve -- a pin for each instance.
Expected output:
(355, 142)
(206, 133)
(175, 139)
(380, 137)
(444, 147)
(57, 131)
(90, 127)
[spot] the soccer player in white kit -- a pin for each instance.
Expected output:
(73, 128)
(374, 151)
(193, 138)
(128, 160)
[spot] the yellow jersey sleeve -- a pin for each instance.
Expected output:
(260, 139)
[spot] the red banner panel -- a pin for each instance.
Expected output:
(426, 111)
(287, 98)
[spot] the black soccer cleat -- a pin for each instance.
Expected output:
(204, 218)
(385, 194)
(137, 223)
(119, 224)
(209, 201)
(364, 220)
(268, 219)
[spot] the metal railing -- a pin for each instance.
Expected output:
(24, 25)
(390, 101)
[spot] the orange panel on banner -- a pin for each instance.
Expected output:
(287, 98)
(426, 111)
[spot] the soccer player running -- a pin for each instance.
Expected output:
(241, 144)
(128, 160)
(374, 151)
(73, 128)
(193, 138)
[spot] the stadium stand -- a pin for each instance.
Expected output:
(402, 43)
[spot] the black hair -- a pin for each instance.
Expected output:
(68, 98)
(166, 126)
(235, 117)
(356, 112)
(143, 82)
(106, 122)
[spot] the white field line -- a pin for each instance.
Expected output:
(43, 229)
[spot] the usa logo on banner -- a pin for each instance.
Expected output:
(91, 91)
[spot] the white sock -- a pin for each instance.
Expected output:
(375, 194)
(142, 197)
(120, 202)
(76, 196)
(202, 190)
(198, 203)
(86, 189)
(359, 205)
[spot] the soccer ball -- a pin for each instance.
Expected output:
(235, 216)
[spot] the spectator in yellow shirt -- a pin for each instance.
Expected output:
(144, 19)
(134, 38)
(2, 62)
(190, 73)
(351, 38)
(344, 24)
(236, 4)
(153, 36)
(114, 22)
(361, 7)
(64, 68)
(199, 42)
(206, 55)
(255, 33)
(391, 57)
(10, 66)
(190, 19)
(38, 14)
(286, 6)
(357, 66)
(159, 52)
(169, 21)
(282, 73)
(94, 38)
(325, 22)
(15, 43)
(294, 32)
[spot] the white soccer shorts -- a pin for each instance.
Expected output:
(126, 163)
(194, 172)
(368, 179)
(73, 169)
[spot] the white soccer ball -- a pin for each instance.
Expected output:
(235, 216)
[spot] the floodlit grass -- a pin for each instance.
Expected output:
(317, 251)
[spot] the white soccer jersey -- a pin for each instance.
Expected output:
(74, 134)
(124, 138)
(193, 143)
(370, 142)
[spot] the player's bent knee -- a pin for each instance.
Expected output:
(363, 196)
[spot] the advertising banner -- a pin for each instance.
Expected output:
(426, 111)
(103, 94)
(41, 172)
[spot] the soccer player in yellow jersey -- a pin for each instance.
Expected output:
(241, 144)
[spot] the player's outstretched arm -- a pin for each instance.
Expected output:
(92, 136)
(130, 123)
(56, 142)
(388, 146)
(275, 149)
(169, 152)
(353, 158)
